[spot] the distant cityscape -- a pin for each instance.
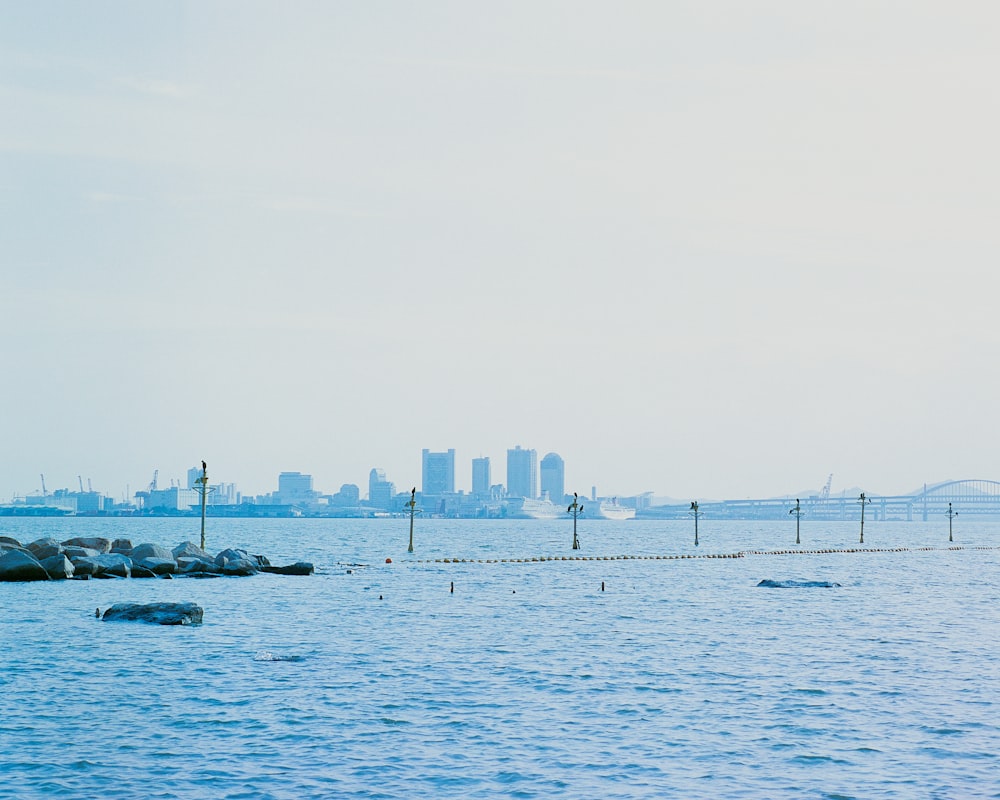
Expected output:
(533, 488)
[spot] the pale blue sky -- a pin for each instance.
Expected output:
(701, 249)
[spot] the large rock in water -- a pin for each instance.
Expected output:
(91, 542)
(149, 550)
(45, 548)
(8, 543)
(155, 613)
(20, 565)
(58, 567)
(236, 562)
(190, 550)
(298, 568)
(108, 565)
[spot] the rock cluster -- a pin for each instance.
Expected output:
(92, 557)
(156, 613)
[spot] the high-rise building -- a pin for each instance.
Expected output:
(481, 476)
(522, 473)
(553, 472)
(380, 491)
(438, 472)
(295, 487)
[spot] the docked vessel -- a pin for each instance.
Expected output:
(529, 508)
(609, 509)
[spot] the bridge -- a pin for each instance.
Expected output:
(971, 497)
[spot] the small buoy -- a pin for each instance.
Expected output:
(602, 586)
(380, 597)
(453, 587)
(388, 561)
(97, 613)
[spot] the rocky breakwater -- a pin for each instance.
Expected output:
(93, 557)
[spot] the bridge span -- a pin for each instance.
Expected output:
(970, 497)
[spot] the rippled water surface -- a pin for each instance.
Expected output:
(681, 678)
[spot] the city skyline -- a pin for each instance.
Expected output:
(703, 250)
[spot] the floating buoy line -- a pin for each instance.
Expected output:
(682, 556)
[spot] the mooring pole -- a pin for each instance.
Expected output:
(412, 504)
(797, 511)
(694, 512)
(951, 516)
(203, 491)
(575, 508)
(863, 501)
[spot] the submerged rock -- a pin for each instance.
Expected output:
(770, 584)
(155, 613)
(298, 568)
(20, 565)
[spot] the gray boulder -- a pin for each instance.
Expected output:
(236, 562)
(123, 546)
(155, 613)
(45, 548)
(58, 567)
(74, 552)
(83, 567)
(197, 566)
(107, 565)
(298, 568)
(9, 543)
(139, 571)
(91, 542)
(20, 565)
(190, 550)
(148, 550)
(158, 566)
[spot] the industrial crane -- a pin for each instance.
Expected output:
(825, 494)
(44, 492)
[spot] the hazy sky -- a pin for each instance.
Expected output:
(704, 249)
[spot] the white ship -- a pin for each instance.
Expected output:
(528, 508)
(609, 509)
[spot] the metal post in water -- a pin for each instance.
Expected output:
(203, 491)
(951, 516)
(694, 512)
(575, 508)
(863, 501)
(797, 511)
(412, 505)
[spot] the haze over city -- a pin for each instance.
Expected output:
(698, 249)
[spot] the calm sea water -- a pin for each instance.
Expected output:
(680, 679)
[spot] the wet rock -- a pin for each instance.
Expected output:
(83, 567)
(190, 550)
(298, 568)
(123, 546)
(8, 543)
(58, 567)
(158, 566)
(139, 571)
(20, 565)
(74, 552)
(45, 548)
(770, 584)
(236, 562)
(107, 565)
(196, 566)
(92, 542)
(155, 613)
(149, 550)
